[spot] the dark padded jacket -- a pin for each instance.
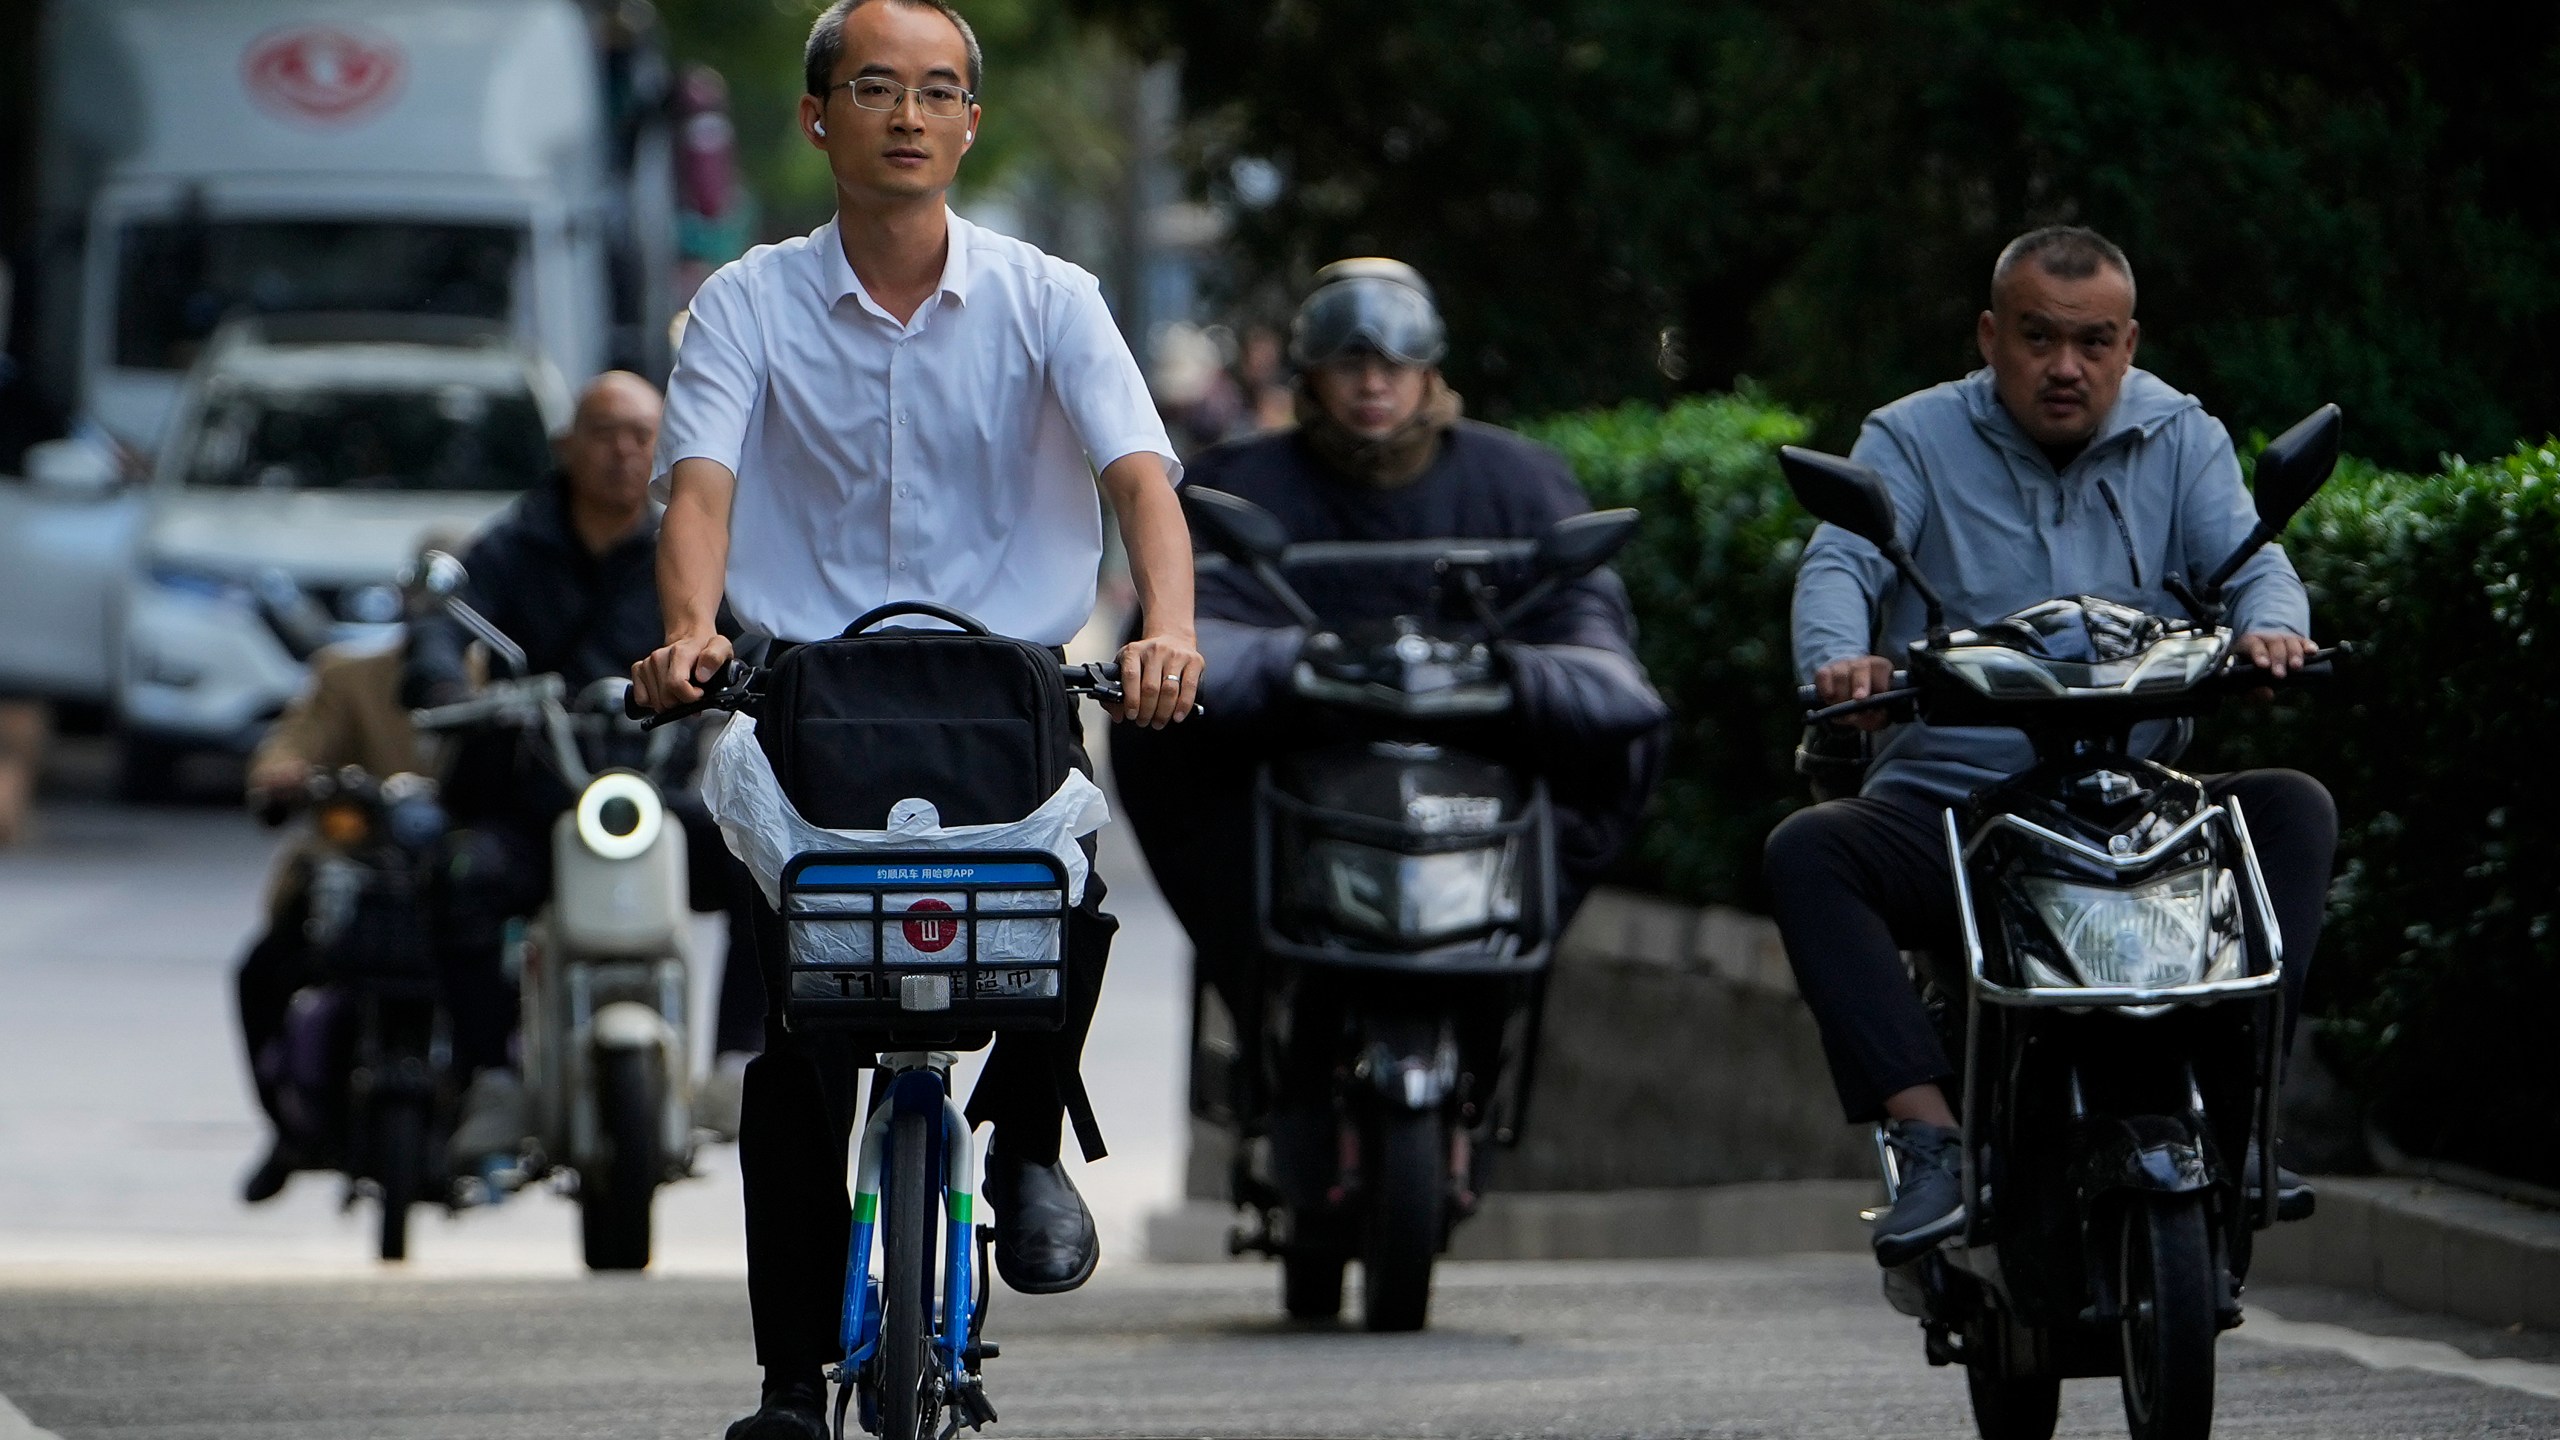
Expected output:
(577, 614)
(1584, 707)
(1573, 664)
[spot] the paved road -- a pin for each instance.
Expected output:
(1795, 1347)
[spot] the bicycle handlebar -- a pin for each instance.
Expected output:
(736, 686)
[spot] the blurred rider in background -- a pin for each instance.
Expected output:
(349, 713)
(1381, 452)
(570, 574)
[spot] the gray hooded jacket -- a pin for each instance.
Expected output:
(2156, 493)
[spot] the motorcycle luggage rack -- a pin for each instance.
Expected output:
(852, 961)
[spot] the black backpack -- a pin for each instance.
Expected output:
(975, 722)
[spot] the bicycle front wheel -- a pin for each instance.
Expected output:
(906, 1284)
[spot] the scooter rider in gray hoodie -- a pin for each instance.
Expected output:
(2058, 469)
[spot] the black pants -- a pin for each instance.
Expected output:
(796, 1129)
(1858, 881)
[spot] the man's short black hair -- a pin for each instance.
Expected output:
(2066, 252)
(826, 42)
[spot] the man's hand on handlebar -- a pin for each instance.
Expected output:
(1855, 678)
(674, 673)
(2274, 651)
(1159, 679)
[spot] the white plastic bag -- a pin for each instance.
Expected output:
(764, 830)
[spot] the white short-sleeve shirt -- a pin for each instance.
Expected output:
(950, 459)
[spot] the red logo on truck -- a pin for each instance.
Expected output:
(321, 73)
(931, 936)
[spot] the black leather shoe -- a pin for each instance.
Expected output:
(1044, 1234)
(791, 1410)
(1929, 1206)
(268, 1180)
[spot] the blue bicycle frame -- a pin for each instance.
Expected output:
(918, 1081)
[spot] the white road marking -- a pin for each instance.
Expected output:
(14, 1424)
(2384, 1352)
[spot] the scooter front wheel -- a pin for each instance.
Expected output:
(1311, 1283)
(1406, 1167)
(2167, 1296)
(614, 1201)
(2007, 1408)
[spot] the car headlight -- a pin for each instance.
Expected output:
(620, 815)
(1417, 897)
(2174, 931)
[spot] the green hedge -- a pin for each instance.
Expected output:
(1711, 572)
(2440, 972)
(2439, 978)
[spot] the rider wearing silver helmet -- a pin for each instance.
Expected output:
(1380, 453)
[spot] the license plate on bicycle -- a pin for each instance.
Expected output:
(971, 939)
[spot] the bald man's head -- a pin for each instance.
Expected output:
(610, 439)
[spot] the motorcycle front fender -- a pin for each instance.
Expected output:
(630, 1025)
(2146, 1154)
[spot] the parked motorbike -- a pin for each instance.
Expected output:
(361, 1069)
(2118, 1005)
(605, 968)
(1405, 902)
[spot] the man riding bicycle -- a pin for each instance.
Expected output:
(2057, 469)
(902, 406)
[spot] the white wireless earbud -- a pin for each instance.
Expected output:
(972, 135)
(820, 126)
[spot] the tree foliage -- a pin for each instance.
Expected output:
(2346, 199)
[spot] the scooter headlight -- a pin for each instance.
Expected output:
(1417, 897)
(2174, 931)
(620, 815)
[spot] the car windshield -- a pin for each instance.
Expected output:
(456, 437)
(178, 279)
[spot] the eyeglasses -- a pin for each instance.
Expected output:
(942, 102)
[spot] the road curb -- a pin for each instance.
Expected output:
(2429, 1246)
(1779, 1217)
(2425, 1244)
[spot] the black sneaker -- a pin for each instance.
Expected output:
(1929, 1205)
(2295, 1199)
(268, 1181)
(791, 1410)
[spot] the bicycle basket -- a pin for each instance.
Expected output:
(925, 940)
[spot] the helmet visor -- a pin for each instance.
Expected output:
(1367, 313)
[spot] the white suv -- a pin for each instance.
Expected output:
(308, 457)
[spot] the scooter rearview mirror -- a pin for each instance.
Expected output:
(1840, 492)
(441, 575)
(1251, 537)
(2291, 470)
(1845, 493)
(1579, 544)
(2295, 465)
(1234, 526)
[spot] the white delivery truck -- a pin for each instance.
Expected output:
(206, 162)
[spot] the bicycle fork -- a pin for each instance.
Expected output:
(915, 1083)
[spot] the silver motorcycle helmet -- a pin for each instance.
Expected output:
(1368, 304)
